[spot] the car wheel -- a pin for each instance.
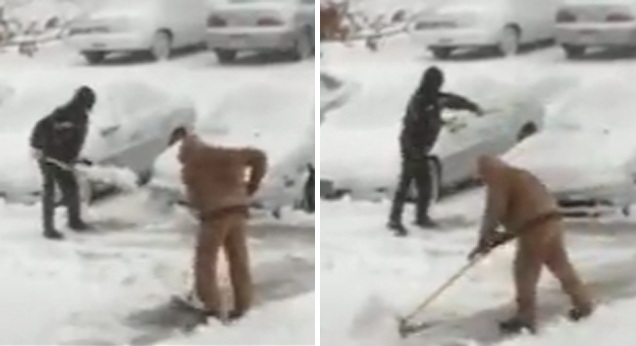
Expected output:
(303, 47)
(94, 57)
(436, 183)
(573, 52)
(161, 48)
(509, 41)
(225, 55)
(441, 52)
(526, 131)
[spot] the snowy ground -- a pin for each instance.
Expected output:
(111, 287)
(368, 276)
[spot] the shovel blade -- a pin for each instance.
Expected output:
(405, 329)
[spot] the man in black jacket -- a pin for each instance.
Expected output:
(60, 136)
(420, 128)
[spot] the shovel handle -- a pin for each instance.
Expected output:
(444, 287)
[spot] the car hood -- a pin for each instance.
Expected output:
(567, 161)
(345, 152)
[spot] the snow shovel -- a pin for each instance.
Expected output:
(405, 328)
(121, 178)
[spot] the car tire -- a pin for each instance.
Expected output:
(303, 46)
(94, 57)
(573, 52)
(441, 52)
(436, 183)
(526, 131)
(225, 56)
(161, 48)
(509, 42)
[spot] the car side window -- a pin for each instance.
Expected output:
(308, 2)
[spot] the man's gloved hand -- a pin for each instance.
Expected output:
(488, 244)
(84, 161)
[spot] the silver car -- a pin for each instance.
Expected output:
(596, 23)
(262, 25)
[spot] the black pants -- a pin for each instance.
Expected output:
(417, 171)
(310, 188)
(65, 180)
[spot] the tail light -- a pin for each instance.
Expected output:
(565, 17)
(269, 21)
(619, 17)
(216, 21)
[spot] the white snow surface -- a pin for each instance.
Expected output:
(97, 288)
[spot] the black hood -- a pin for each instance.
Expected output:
(83, 100)
(431, 82)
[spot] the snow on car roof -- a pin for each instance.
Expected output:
(31, 102)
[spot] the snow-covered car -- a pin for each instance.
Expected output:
(359, 141)
(276, 118)
(262, 25)
(502, 25)
(587, 153)
(596, 23)
(334, 92)
(131, 125)
(154, 26)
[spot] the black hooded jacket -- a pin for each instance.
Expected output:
(61, 134)
(423, 122)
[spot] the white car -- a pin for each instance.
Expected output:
(274, 118)
(359, 141)
(261, 26)
(502, 25)
(131, 125)
(334, 92)
(587, 153)
(583, 24)
(154, 26)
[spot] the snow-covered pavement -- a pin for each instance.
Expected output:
(112, 286)
(368, 277)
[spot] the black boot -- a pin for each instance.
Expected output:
(235, 314)
(426, 222)
(79, 225)
(73, 206)
(53, 235)
(515, 325)
(577, 314)
(398, 228)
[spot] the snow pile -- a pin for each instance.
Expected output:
(121, 178)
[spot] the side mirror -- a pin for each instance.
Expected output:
(109, 130)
